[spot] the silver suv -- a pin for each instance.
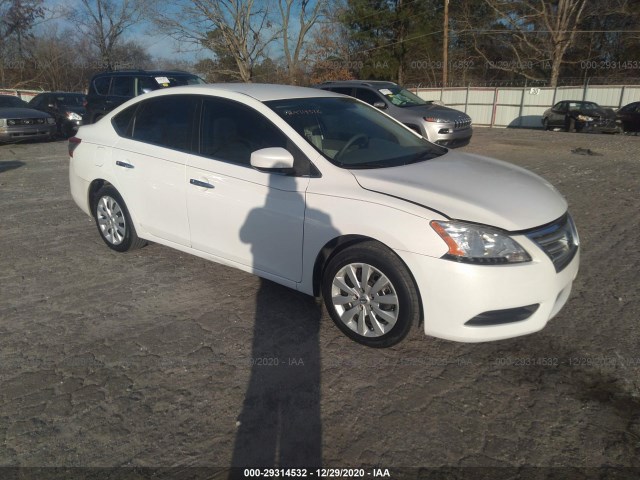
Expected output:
(439, 124)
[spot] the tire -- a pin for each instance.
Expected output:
(114, 222)
(545, 124)
(353, 307)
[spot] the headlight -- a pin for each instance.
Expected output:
(51, 121)
(436, 120)
(584, 118)
(3, 122)
(73, 116)
(478, 244)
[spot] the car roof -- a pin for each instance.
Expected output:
(359, 83)
(142, 72)
(262, 92)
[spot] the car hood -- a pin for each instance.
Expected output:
(445, 113)
(21, 113)
(472, 188)
(597, 112)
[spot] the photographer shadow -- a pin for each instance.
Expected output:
(280, 423)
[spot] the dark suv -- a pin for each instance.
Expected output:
(108, 90)
(438, 124)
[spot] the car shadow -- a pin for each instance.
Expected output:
(7, 165)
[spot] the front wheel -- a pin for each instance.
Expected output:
(370, 295)
(114, 222)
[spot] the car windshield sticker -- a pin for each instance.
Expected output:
(164, 81)
(385, 91)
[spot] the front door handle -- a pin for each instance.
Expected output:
(199, 183)
(124, 164)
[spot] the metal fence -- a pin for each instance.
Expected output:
(523, 107)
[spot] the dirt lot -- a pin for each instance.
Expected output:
(157, 358)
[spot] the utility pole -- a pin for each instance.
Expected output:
(445, 46)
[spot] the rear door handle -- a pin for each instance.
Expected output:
(124, 164)
(199, 183)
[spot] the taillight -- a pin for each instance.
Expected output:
(73, 144)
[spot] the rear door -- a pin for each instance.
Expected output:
(150, 161)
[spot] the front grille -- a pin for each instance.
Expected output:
(461, 123)
(25, 121)
(558, 240)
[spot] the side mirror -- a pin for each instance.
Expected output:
(380, 105)
(272, 159)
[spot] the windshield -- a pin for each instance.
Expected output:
(353, 135)
(70, 100)
(7, 101)
(401, 97)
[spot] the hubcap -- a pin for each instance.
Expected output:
(111, 220)
(365, 299)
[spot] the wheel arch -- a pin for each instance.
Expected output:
(94, 188)
(337, 245)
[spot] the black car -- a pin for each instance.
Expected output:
(579, 116)
(67, 108)
(628, 117)
(108, 90)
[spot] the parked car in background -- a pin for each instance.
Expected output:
(67, 108)
(579, 116)
(108, 90)
(628, 117)
(438, 124)
(325, 194)
(20, 122)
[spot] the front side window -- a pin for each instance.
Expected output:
(353, 135)
(166, 121)
(367, 96)
(231, 131)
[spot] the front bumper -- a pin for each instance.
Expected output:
(448, 134)
(26, 132)
(455, 295)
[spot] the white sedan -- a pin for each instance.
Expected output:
(325, 194)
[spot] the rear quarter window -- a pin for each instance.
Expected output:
(101, 85)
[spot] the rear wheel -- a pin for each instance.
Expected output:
(370, 295)
(114, 222)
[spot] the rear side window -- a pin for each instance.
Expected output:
(122, 86)
(342, 90)
(165, 121)
(123, 121)
(101, 85)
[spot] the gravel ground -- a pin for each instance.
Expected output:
(160, 359)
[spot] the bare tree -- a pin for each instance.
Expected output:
(526, 33)
(308, 15)
(105, 21)
(236, 29)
